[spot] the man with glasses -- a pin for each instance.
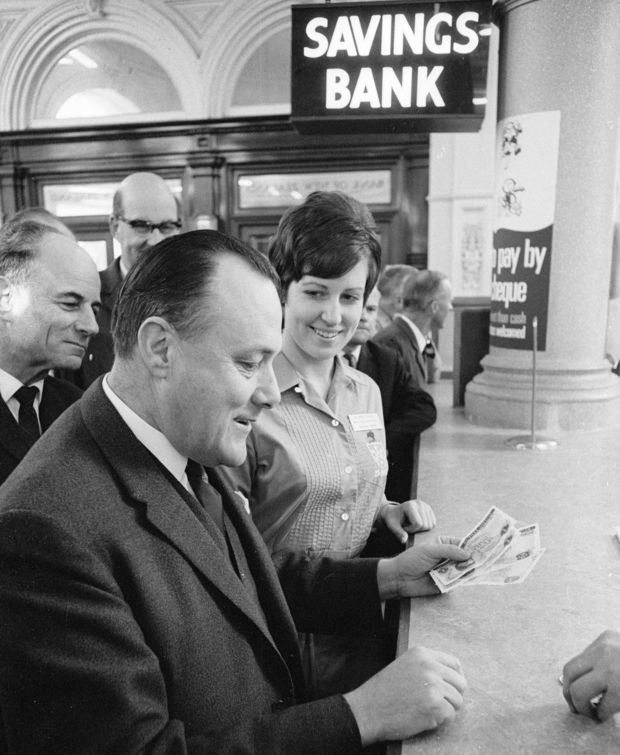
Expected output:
(144, 211)
(427, 301)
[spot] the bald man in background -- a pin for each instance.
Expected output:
(144, 212)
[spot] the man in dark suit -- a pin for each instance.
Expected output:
(144, 211)
(49, 294)
(427, 301)
(139, 608)
(407, 409)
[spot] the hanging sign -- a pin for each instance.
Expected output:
(526, 165)
(381, 66)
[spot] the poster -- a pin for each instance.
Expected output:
(525, 187)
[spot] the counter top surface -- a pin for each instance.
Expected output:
(513, 641)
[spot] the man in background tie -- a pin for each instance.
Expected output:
(49, 295)
(427, 301)
(407, 409)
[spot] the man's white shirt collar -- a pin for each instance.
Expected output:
(355, 351)
(419, 336)
(154, 440)
(9, 384)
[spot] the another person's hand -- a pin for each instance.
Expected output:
(594, 672)
(420, 690)
(407, 517)
(406, 575)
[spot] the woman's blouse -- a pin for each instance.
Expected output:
(315, 471)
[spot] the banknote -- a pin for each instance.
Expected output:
(524, 545)
(510, 574)
(486, 542)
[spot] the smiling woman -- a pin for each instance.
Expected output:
(316, 467)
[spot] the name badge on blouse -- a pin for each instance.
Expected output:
(365, 421)
(370, 427)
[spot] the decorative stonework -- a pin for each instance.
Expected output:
(203, 45)
(5, 27)
(41, 37)
(199, 14)
(94, 8)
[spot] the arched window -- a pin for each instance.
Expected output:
(105, 78)
(264, 83)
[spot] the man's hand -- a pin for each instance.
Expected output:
(406, 575)
(594, 672)
(410, 516)
(418, 691)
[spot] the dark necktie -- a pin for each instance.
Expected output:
(206, 494)
(350, 358)
(27, 416)
(429, 350)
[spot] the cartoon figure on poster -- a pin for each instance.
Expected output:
(525, 187)
(509, 202)
(510, 140)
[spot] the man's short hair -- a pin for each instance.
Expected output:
(18, 242)
(172, 281)
(326, 236)
(421, 288)
(35, 214)
(392, 277)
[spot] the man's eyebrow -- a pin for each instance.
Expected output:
(72, 294)
(75, 295)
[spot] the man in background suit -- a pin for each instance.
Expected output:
(390, 285)
(49, 295)
(427, 301)
(144, 211)
(140, 610)
(407, 409)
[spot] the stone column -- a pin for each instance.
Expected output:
(559, 55)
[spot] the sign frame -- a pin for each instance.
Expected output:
(404, 66)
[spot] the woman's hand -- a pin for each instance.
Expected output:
(410, 516)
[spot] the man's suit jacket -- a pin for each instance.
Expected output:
(57, 396)
(100, 352)
(399, 336)
(123, 626)
(407, 411)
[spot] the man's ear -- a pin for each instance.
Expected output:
(113, 225)
(6, 295)
(156, 339)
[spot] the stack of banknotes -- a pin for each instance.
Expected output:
(502, 553)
